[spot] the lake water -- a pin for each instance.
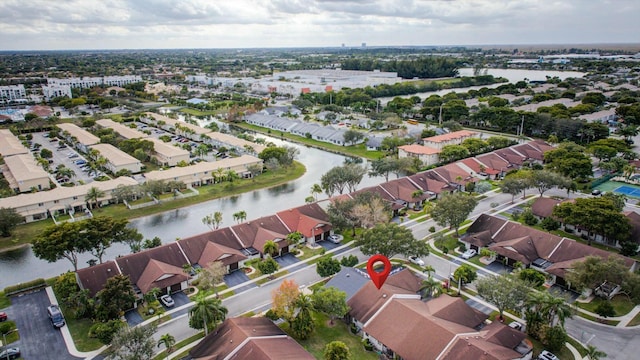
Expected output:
(21, 265)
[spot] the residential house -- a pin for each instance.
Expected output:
(241, 146)
(10, 144)
(405, 192)
(166, 154)
(118, 160)
(398, 323)
(452, 175)
(533, 151)
(374, 143)
(430, 184)
(428, 155)
(204, 173)
(24, 174)
(515, 159)
(310, 220)
(159, 267)
(216, 245)
(478, 169)
(452, 138)
(542, 207)
(123, 130)
(39, 206)
(545, 252)
(253, 338)
(256, 233)
(494, 164)
(77, 136)
(94, 278)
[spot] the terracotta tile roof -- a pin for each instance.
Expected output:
(403, 189)
(41, 111)
(248, 338)
(95, 277)
(161, 275)
(194, 246)
(451, 173)
(462, 134)
(309, 220)
(256, 233)
(217, 252)
(543, 206)
(419, 149)
(426, 183)
(135, 264)
(513, 158)
(494, 161)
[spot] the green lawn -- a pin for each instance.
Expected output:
(24, 234)
(635, 321)
(163, 354)
(324, 334)
(308, 253)
(79, 329)
(621, 305)
(5, 301)
(353, 150)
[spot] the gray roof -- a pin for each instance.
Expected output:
(349, 280)
(374, 141)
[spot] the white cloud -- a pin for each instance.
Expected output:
(76, 24)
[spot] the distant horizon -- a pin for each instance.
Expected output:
(625, 46)
(44, 25)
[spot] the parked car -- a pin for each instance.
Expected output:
(335, 238)
(546, 355)
(10, 353)
(81, 162)
(55, 315)
(416, 260)
(596, 192)
(469, 254)
(73, 156)
(3, 316)
(515, 325)
(167, 300)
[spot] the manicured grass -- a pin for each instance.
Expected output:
(79, 329)
(308, 253)
(155, 305)
(24, 234)
(564, 353)
(620, 303)
(581, 349)
(5, 301)
(197, 112)
(324, 334)
(598, 320)
(279, 274)
(635, 321)
(359, 150)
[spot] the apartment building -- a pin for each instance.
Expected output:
(12, 93)
(118, 160)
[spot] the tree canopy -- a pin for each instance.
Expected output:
(452, 209)
(391, 239)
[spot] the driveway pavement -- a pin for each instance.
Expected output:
(328, 245)
(235, 278)
(286, 260)
(133, 317)
(38, 338)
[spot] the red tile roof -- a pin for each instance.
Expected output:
(419, 149)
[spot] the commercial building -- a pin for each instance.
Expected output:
(9, 93)
(89, 82)
(54, 90)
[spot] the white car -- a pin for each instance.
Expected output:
(335, 238)
(515, 325)
(416, 260)
(545, 355)
(167, 301)
(469, 254)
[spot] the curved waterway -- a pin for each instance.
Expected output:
(21, 265)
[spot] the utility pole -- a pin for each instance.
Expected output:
(440, 117)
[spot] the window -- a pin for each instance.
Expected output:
(40, 204)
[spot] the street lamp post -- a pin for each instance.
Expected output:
(4, 341)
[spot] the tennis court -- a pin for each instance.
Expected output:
(628, 191)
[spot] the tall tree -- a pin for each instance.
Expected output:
(133, 343)
(115, 298)
(303, 325)
(268, 266)
(390, 239)
(331, 301)
(284, 300)
(62, 241)
(102, 231)
(270, 248)
(212, 275)
(544, 180)
(93, 194)
(168, 341)
(206, 313)
(316, 189)
(213, 220)
(594, 354)
(9, 219)
(452, 209)
(594, 270)
(505, 291)
(240, 216)
(430, 287)
(552, 309)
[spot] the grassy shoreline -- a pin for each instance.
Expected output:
(24, 234)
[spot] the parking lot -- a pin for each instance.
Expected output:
(38, 338)
(66, 156)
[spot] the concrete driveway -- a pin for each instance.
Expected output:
(286, 260)
(235, 278)
(328, 245)
(38, 338)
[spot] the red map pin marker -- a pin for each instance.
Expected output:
(378, 278)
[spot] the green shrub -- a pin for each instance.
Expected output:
(7, 326)
(13, 289)
(529, 218)
(367, 344)
(554, 338)
(104, 331)
(327, 267)
(432, 229)
(271, 315)
(550, 224)
(605, 309)
(349, 261)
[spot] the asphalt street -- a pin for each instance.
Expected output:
(39, 340)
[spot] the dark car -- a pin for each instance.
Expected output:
(55, 315)
(3, 316)
(10, 353)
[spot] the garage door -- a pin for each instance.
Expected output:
(233, 267)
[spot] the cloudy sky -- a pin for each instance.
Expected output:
(135, 24)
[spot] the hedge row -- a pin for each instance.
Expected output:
(33, 284)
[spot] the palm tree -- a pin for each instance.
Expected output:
(168, 341)
(232, 175)
(550, 308)
(93, 194)
(270, 248)
(594, 354)
(428, 269)
(213, 220)
(209, 310)
(151, 295)
(315, 190)
(65, 171)
(240, 216)
(430, 287)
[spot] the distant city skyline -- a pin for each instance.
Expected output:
(164, 24)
